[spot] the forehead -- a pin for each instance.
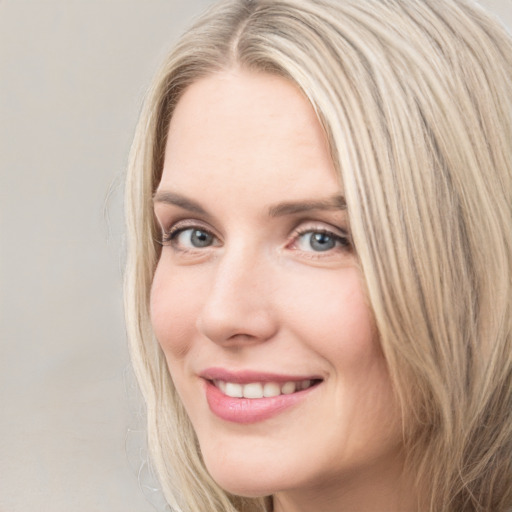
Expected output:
(243, 130)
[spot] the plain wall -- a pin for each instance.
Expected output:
(72, 77)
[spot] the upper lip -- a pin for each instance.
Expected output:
(249, 376)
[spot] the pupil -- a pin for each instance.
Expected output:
(322, 242)
(200, 238)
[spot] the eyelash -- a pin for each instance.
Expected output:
(344, 242)
(177, 229)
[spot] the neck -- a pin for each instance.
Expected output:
(372, 490)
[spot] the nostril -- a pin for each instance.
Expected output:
(236, 324)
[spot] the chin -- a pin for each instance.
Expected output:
(245, 479)
(248, 486)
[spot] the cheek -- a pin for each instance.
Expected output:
(173, 306)
(334, 317)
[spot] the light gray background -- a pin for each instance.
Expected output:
(72, 77)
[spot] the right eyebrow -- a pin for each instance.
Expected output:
(290, 208)
(179, 200)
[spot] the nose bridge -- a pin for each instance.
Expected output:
(237, 305)
(235, 269)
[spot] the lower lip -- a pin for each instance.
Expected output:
(250, 410)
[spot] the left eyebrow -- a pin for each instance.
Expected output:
(179, 200)
(289, 208)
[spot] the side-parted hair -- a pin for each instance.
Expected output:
(415, 97)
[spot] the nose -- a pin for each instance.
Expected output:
(238, 306)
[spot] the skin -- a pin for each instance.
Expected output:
(261, 296)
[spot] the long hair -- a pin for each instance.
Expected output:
(415, 97)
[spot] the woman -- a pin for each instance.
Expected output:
(320, 258)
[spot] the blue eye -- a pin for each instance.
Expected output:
(191, 238)
(320, 241)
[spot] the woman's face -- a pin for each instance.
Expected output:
(258, 293)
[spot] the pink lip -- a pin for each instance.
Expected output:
(249, 410)
(248, 376)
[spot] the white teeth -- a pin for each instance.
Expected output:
(234, 390)
(271, 389)
(261, 390)
(254, 390)
(288, 388)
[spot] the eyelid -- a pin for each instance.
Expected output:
(340, 234)
(321, 226)
(181, 225)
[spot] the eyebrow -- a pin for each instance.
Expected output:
(288, 208)
(336, 202)
(179, 200)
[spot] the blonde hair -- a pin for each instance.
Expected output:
(415, 97)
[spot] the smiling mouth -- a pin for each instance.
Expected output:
(249, 397)
(255, 390)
